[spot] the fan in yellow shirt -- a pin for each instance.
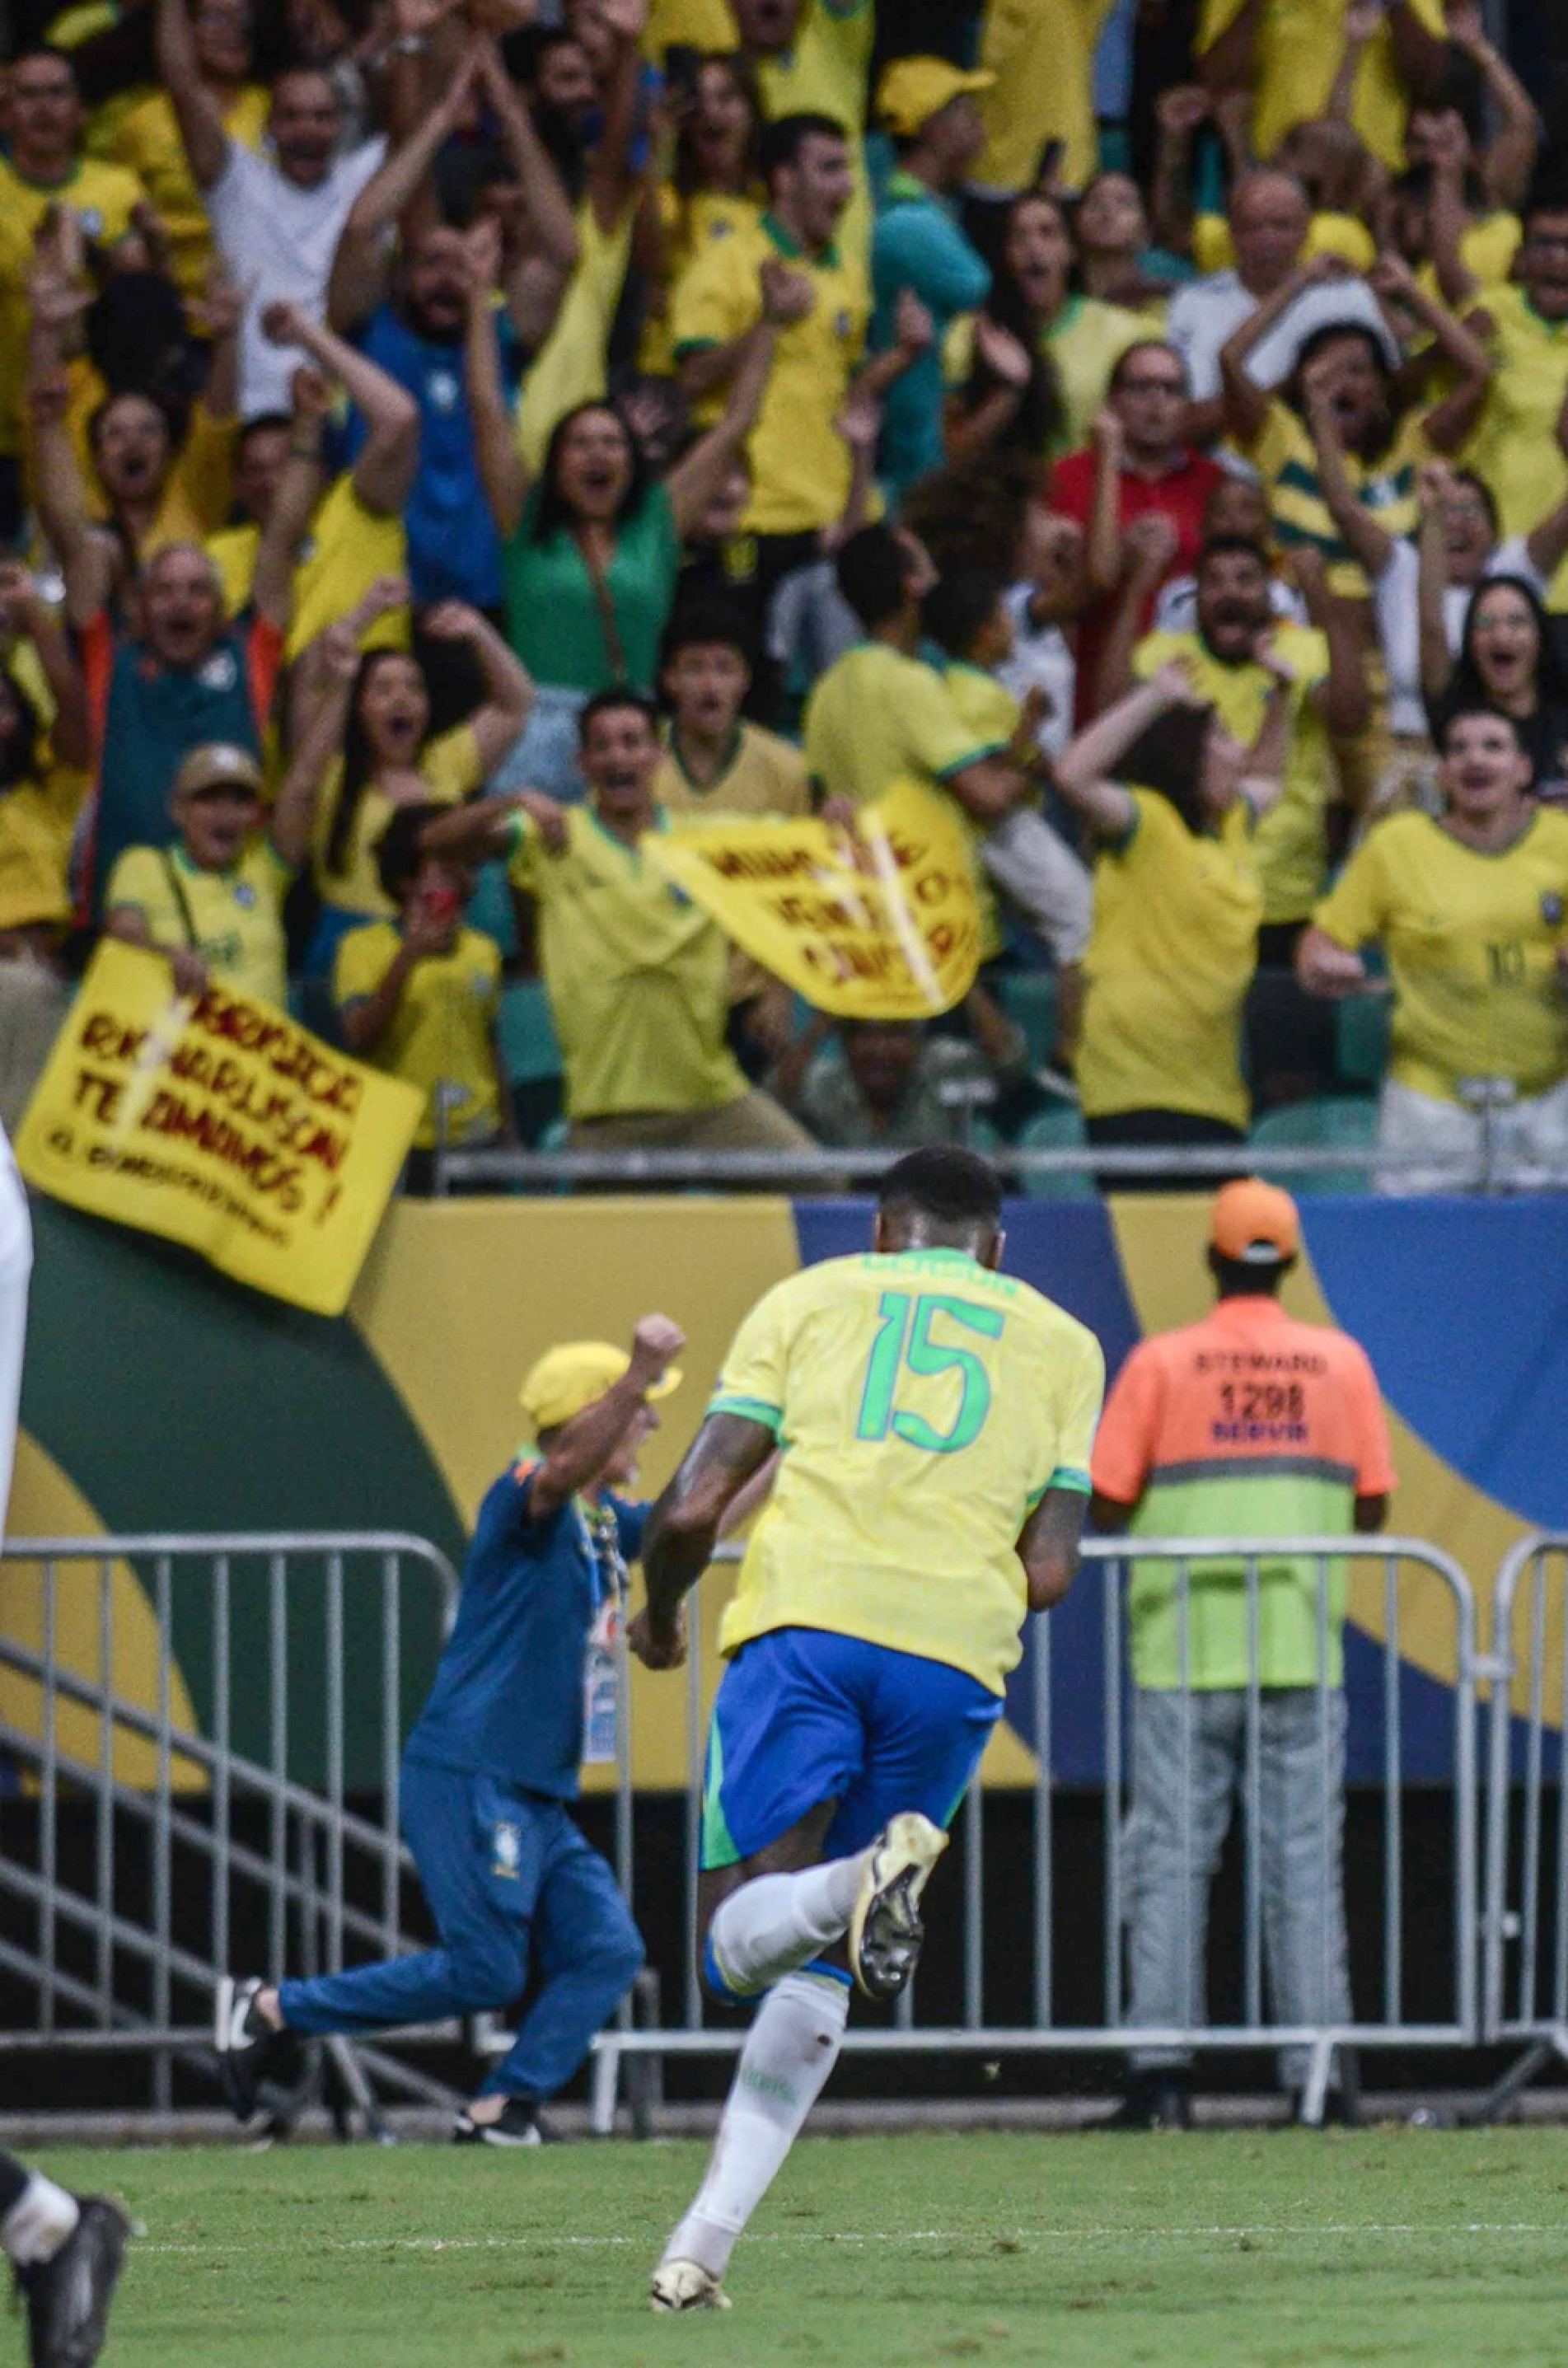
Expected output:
(789, 270)
(213, 903)
(635, 973)
(714, 188)
(45, 172)
(379, 756)
(147, 140)
(1470, 911)
(1289, 53)
(45, 753)
(1043, 90)
(418, 997)
(1177, 903)
(1327, 692)
(715, 763)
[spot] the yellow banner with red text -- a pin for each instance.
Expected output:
(877, 924)
(218, 1122)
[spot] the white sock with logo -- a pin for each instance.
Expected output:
(789, 2050)
(38, 2222)
(777, 1923)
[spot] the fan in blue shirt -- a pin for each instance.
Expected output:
(526, 1685)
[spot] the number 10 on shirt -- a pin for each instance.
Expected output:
(904, 1344)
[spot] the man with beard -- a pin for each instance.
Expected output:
(276, 219)
(180, 677)
(637, 975)
(413, 330)
(1326, 699)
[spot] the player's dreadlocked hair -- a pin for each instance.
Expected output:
(956, 1187)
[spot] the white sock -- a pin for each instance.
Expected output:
(38, 2222)
(789, 2050)
(777, 1923)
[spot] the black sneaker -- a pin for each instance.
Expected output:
(520, 2125)
(67, 2298)
(246, 2041)
(1154, 2100)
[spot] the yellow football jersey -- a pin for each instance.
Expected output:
(925, 1406)
(1471, 942)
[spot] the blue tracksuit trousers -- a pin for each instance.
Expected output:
(518, 1896)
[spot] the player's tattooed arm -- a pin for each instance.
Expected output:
(684, 1527)
(1049, 1545)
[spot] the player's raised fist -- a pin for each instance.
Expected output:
(656, 1345)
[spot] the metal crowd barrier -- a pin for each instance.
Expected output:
(1526, 1931)
(1400, 1562)
(131, 1913)
(827, 1171)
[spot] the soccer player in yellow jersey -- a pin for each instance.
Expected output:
(1471, 910)
(933, 1420)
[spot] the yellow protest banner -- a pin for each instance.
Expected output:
(881, 928)
(221, 1123)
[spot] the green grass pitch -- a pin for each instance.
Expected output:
(1256, 2250)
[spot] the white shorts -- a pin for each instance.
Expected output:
(1530, 1143)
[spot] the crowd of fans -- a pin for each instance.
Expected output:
(444, 441)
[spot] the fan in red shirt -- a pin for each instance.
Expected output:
(1135, 467)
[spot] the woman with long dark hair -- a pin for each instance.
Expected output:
(715, 186)
(1510, 662)
(591, 551)
(1042, 354)
(390, 759)
(1172, 800)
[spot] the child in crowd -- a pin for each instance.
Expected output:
(418, 997)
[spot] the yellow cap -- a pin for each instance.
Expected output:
(217, 765)
(914, 89)
(567, 1379)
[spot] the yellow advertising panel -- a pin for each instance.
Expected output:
(221, 1123)
(878, 925)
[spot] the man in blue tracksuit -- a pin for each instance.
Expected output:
(525, 1684)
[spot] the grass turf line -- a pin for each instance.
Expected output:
(1234, 2250)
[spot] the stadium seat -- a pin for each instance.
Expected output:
(1029, 999)
(1347, 1121)
(1361, 1038)
(1060, 1128)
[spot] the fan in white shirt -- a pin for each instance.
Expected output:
(1269, 219)
(276, 219)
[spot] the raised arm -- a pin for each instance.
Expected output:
(1150, 546)
(293, 500)
(1362, 20)
(334, 663)
(913, 331)
(501, 468)
(359, 266)
(694, 481)
(1450, 422)
(537, 279)
(1178, 114)
(1344, 701)
(581, 1448)
(1548, 543)
(611, 175)
(1369, 542)
(1083, 769)
(1245, 404)
(1510, 154)
(970, 426)
(383, 473)
(1102, 552)
(201, 129)
(1431, 585)
(86, 555)
(24, 612)
(683, 1528)
(508, 688)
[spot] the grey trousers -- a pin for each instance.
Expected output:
(1195, 1752)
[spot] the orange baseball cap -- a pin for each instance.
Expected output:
(1255, 1223)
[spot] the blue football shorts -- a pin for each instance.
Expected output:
(803, 1715)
